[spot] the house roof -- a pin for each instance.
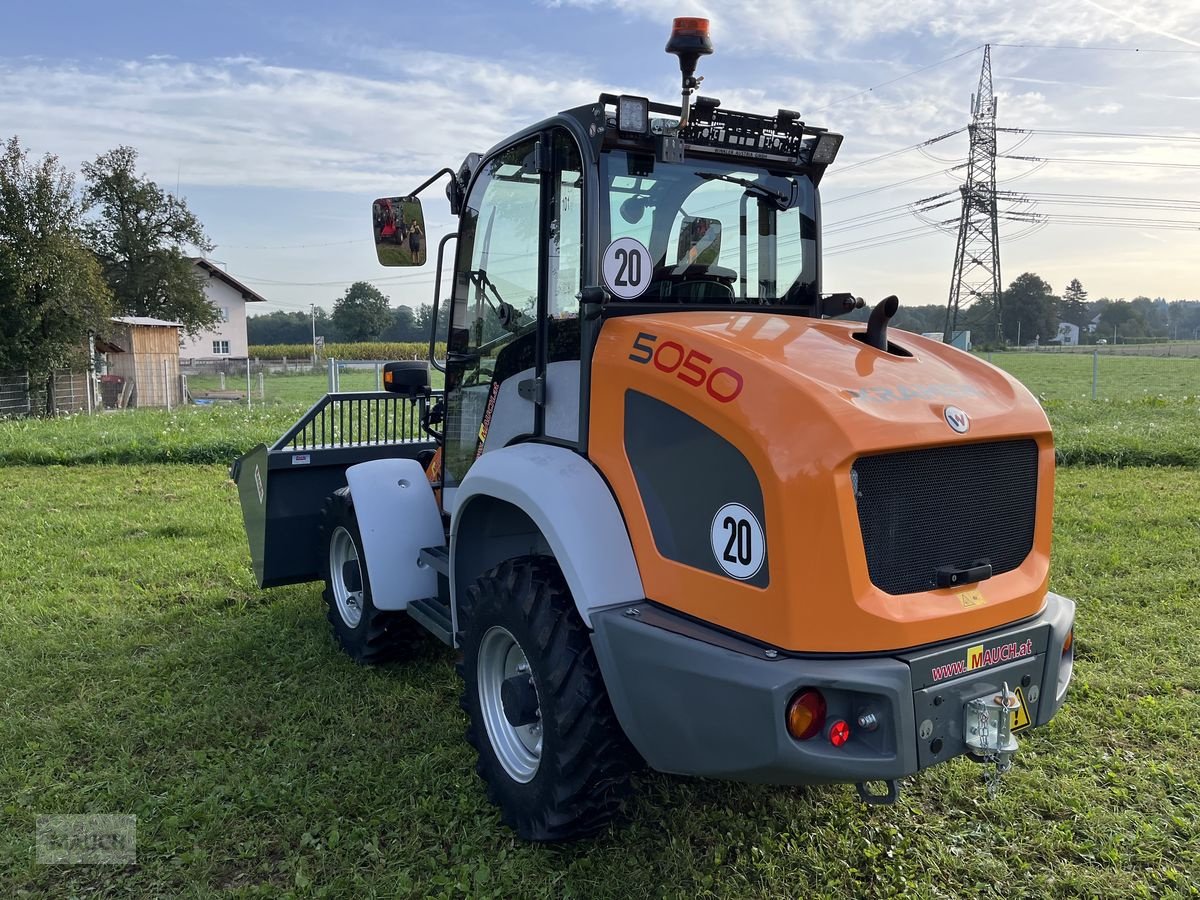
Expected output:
(145, 320)
(215, 271)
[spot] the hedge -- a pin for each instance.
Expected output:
(365, 350)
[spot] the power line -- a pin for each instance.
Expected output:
(911, 210)
(1115, 221)
(888, 155)
(287, 246)
(386, 279)
(1101, 134)
(884, 214)
(885, 187)
(894, 80)
(1103, 200)
(1098, 49)
(1105, 162)
(882, 239)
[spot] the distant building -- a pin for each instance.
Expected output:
(227, 338)
(139, 363)
(1068, 334)
(960, 339)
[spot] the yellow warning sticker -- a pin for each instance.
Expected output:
(971, 599)
(1019, 717)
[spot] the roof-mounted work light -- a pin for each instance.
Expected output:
(827, 149)
(633, 115)
(689, 41)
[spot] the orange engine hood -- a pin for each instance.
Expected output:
(809, 400)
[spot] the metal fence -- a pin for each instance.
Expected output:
(276, 381)
(63, 393)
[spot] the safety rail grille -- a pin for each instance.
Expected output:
(920, 510)
(357, 418)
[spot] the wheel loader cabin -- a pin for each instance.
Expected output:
(656, 461)
(695, 224)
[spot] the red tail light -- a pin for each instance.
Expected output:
(806, 714)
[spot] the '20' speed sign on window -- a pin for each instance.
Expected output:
(627, 268)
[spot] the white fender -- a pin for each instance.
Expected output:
(398, 517)
(573, 508)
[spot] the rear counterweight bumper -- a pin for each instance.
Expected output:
(697, 701)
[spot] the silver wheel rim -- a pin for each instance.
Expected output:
(342, 551)
(518, 747)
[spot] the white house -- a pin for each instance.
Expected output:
(1068, 334)
(228, 337)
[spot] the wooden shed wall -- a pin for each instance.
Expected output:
(152, 362)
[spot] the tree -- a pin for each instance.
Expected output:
(403, 326)
(52, 292)
(1120, 318)
(423, 320)
(282, 327)
(1074, 306)
(1153, 315)
(1030, 310)
(138, 233)
(362, 312)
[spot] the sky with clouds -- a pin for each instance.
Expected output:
(279, 122)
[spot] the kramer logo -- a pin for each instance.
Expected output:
(957, 419)
(981, 657)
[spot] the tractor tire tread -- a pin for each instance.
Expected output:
(589, 759)
(382, 635)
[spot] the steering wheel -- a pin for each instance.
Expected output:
(715, 283)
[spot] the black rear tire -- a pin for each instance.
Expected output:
(377, 636)
(585, 761)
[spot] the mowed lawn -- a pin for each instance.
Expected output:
(142, 672)
(1068, 376)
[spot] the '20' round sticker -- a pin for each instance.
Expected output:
(627, 268)
(737, 541)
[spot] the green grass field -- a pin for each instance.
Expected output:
(145, 674)
(294, 390)
(1068, 376)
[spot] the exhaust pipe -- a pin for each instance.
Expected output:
(878, 323)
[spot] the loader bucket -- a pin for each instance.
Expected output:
(282, 488)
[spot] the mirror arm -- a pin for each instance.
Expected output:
(428, 181)
(437, 292)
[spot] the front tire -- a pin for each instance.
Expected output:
(551, 752)
(366, 634)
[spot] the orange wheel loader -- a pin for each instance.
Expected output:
(671, 511)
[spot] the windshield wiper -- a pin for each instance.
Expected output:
(782, 201)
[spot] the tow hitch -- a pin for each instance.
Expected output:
(987, 730)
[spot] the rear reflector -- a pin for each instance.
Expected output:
(839, 733)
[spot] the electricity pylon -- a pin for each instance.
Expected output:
(977, 259)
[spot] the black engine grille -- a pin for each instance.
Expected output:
(920, 510)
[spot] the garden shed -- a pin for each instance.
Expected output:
(141, 363)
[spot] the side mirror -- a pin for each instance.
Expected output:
(399, 229)
(409, 378)
(699, 241)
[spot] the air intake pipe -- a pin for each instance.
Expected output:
(877, 325)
